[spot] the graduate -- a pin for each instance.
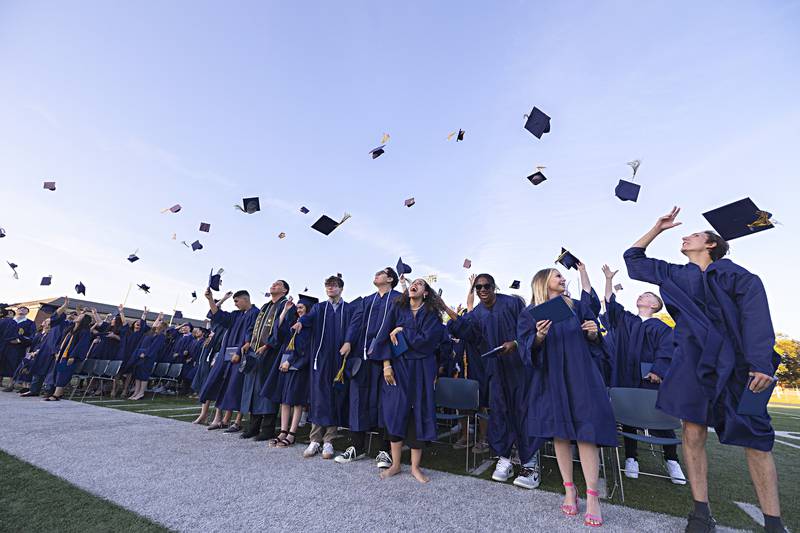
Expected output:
(724, 345)
(45, 351)
(408, 402)
(18, 335)
(329, 326)
(567, 399)
(369, 319)
(226, 375)
(473, 366)
(191, 360)
(262, 360)
(490, 324)
(74, 348)
(641, 341)
(148, 353)
(289, 387)
(211, 385)
(23, 374)
(129, 339)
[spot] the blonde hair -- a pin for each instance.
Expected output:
(539, 284)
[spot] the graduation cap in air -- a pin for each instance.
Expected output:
(2, 233)
(14, 268)
(467, 263)
(307, 300)
(80, 288)
(48, 308)
(459, 135)
(174, 209)
(377, 152)
(196, 246)
(326, 224)
(215, 280)
(627, 191)
(618, 287)
(537, 123)
(514, 284)
(249, 205)
(194, 296)
(304, 210)
(133, 257)
(410, 201)
(739, 219)
(144, 288)
(177, 315)
(635, 164)
(402, 268)
(50, 185)
(282, 235)
(537, 177)
(47, 280)
(339, 275)
(567, 259)
(205, 227)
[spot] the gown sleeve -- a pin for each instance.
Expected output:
(664, 348)
(758, 336)
(643, 268)
(526, 338)
(424, 336)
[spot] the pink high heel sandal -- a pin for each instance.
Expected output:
(589, 519)
(567, 508)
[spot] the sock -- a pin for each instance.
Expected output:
(702, 509)
(773, 523)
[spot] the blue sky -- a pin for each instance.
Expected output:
(133, 107)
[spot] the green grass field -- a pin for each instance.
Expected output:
(729, 479)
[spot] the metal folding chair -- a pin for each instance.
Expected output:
(458, 395)
(100, 366)
(170, 376)
(82, 371)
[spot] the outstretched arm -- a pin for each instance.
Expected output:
(586, 284)
(662, 224)
(609, 274)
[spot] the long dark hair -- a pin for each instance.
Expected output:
(84, 323)
(431, 302)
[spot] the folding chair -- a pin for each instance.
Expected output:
(637, 408)
(459, 395)
(171, 375)
(82, 371)
(100, 366)
(159, 372)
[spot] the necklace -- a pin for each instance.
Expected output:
(414, 310)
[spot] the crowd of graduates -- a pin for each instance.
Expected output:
(544, 366)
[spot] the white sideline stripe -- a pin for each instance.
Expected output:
(184, 414)
(481, 468)
(752, 511)
(194, 407)
(104, 401)
(788, 443)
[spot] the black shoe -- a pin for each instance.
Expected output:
(9, 389)
(265, 434)
(253, 429)
(23, 390)
(700, 524)
(233, 428)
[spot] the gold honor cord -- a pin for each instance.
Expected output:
(762, 220)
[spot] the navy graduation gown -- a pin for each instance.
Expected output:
(73, 346)
(475, 367)
(130, 341)
(225, 374)
(412, 399)
(18, 336)
(637, 341)
(292, 387)
(567, 398)
(723, 330)
(255, 400)
(329, 331)
(148, 353)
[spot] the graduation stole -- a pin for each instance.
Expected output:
(269, 318)
(64, 352)
(322, 333)
(369, 319)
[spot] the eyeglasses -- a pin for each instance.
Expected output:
(481, 286)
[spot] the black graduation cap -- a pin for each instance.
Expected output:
(133, 257)
(46, 280)
(538, 123)
(567, 259)
(514, 284)
(402, 268)
(627, 191)
(410, 201)
(304, 210)
(377, 152)
(196, 246)
(50, 185)
(177, 315)
(2, 233)
(618, 287)
(214, 280)
(467, 263)
(460, 136)
(194, 296)
(144, 287)
(537, 177)
(326, 224)
(307, 300)
(174, 209)
(205, 226)
(48, 308)
(14, 268)
(739, 219)
(249, 205)
(80, 288)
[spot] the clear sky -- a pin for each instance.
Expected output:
(132, 107)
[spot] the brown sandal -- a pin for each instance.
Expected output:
(273, 443)
(285, 442)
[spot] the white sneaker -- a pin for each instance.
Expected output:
(327, 451)
(349, 456)
(383, 460)
(312, 450)
(528, 477)
(632, 468)
(675, 473)
(503, 470)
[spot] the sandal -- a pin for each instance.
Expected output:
(589, 519)
(285, 442)
(273, 443)
(568, 508)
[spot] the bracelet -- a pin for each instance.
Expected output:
(388, 367)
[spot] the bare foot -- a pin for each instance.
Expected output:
(391, 471)
(199, 420)
(419, 476)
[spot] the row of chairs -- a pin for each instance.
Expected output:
(632, 407)
(107, 370)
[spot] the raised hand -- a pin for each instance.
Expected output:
(608, 273)
(667, 221)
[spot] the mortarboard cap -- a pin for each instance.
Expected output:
(467, 263)
(325, 225)
(460, 136)
(627, 191)
(2, 233)
(46, 280)
(133, 257)
(409, 202)
(177, 315)
(80, 288)
(13, 268)
(282, 235)
(304, 210)
(307, 300)
(538, 123)
(567, 259)
(144, 288)
(514, 284)
(402, 268)
(739, 219)
(205, 226)
(196, 246)
(214, 280)
(250, 205)
(48, 308)
(50, 185)
(174, 209)
(194, 296)
(537, 177)
(618, 287)
(377, 152)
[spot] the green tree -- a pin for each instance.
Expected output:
(789, 369)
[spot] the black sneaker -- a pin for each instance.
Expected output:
(701, 524)
(233, 428)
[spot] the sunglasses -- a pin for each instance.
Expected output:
(481, 286)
